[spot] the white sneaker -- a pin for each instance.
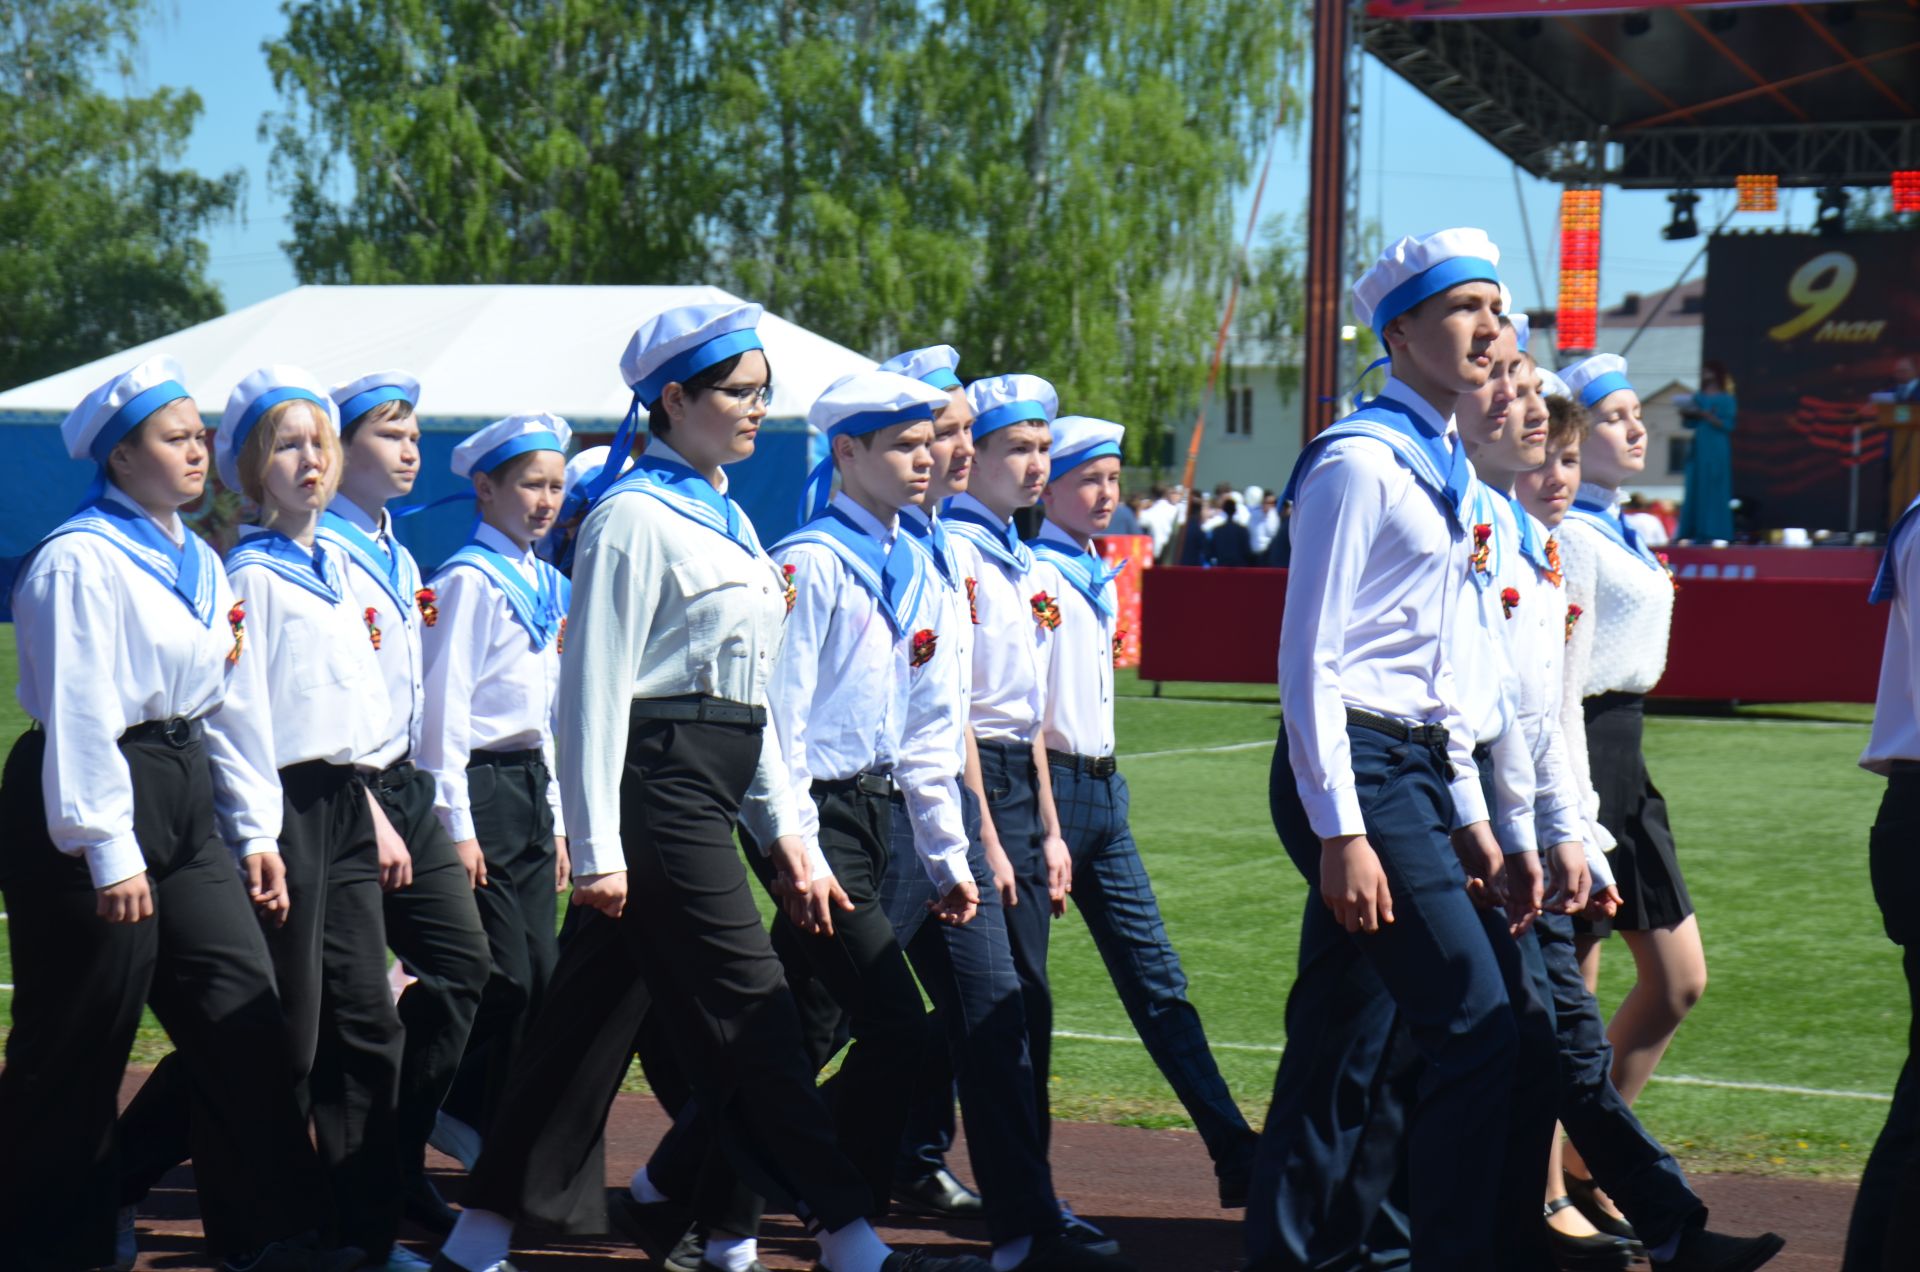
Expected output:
(1085, 1235)
(401, 1259)
(126, 1243)
(456, 1139)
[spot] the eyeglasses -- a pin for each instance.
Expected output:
(746, 397)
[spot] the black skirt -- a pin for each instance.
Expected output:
(1646, 869)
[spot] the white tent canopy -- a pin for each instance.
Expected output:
(479, 352)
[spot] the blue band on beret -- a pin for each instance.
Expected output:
(128, 417)
(360, 403)
(872, 421)
(521, 445)
(1006, 413)
(691, 362)
(266, 402)
(1448, 273)
(1601, 385)
(1064, 464)
(941, 378)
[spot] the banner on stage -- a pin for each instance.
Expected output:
(1438, 10)
(1811, 327)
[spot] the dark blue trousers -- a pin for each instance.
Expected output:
(1113, 894)
(1480, 1098)
(1006, 772)
(1890, 1186)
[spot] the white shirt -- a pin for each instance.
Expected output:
(1265, 525)
(488, 689)
(104, 646)
(933, 747)
(1008, 650)
(325, 698)
(399, 653)
(1482, 656)
(1896, 706)
(1159, 520)
(1372, 589)
(838, 696)
(1652, 530)
(1079, 658)
(663, 607)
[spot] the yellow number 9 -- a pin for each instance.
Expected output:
(1817, 287)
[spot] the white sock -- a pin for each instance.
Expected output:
(1011, 1255)
(735, 1254)
(854, 1248)
(644, 1190)
(480, 1239)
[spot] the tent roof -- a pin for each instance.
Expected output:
(480, 352)
(1678, 95)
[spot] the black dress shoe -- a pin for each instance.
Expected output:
(423, 1206)
(656, 1227)
(939, 1194)
(1059, 1252)
(922, 1261)
(1584, 1194)
(1595, 1252)
(1704, 1251)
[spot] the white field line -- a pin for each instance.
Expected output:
(1672, 1079)
(1195, 750)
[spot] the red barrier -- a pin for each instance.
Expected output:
(1759, 640)
(1774, 563)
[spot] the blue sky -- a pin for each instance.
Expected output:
(1421, 170)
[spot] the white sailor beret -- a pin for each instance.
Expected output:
(106, 415)
(866, 401)
(502, 440)
(356, 397)
(253, 397)
(938, 365)
(1551, 385)
(1420, 266)
(1080, 438)
(677, 344)
(1593, 378)
(1000, 400)
(1522, 329)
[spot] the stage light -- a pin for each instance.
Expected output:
(1759, 191)
(1906, 190)
(1578, 315)
(1682, 226)
(1832, 216)
(1636, 24)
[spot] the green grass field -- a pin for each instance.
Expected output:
(1771, 814)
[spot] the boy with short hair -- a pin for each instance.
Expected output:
(1113, 893)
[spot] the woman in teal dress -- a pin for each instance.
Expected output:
(1707, 513)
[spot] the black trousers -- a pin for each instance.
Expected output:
(690, 942)
(330, 963)
(79, 986)
(1890, 1186)
(518, 909)
(434, 926)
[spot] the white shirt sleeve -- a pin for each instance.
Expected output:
(69, 630)
(1580, 567)
(616, 585)
(925, 770)
(1513, 792)
(247, 799)
(550, 752)
(453, 649)
(1339, 509)
(790, 690)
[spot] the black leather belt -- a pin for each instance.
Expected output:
(880, 785)
(1091, 765)
(393, 777)
(506, 758)
(1433, 735)
(178, 732)
(699, 710)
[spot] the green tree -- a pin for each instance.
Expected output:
(1046, 184)
(100, 243)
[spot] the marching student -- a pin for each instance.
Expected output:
(279, 445)
(1890, 1185)
(676, 621)
(142, 768)
(492, 667)
(431, 921)
(1614, 655)
(1112, 891)
(582, 470)
(1377, 800)
(1632, 1166)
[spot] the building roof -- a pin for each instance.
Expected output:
(479, 352)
